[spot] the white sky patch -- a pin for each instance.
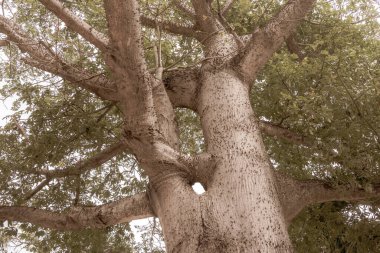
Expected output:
(135, 228)
(198, 188)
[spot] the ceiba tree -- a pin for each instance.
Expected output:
(249, 203)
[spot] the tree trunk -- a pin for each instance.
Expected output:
(240, 211)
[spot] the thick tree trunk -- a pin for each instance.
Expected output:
(240, 211)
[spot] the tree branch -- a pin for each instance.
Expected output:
(78, 168)
(169, 27)
(189, 12)
(97, 84)
(123, 20)
(295, 195)
(126, 60)
(265, 41)
(204, 17)
(38, 188)
(230, 29)
(227, 6)
(76, 24)
(42, 57)
(283, 133)
(91, 163)
(75, 218)
(294, 48)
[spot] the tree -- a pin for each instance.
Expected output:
(106, 141)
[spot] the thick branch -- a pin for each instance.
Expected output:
(204, 17)
(76, 24)
(189, 12)
(296, 195)
(126, 60)
(169, 27)
(123, 19)
(148, 120)
(264, 42)
(182, 87)
(121, 211)
(42, 57)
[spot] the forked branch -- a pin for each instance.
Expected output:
(265, 41)
(75, 218)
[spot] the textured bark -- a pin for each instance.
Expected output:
(242, 188)
(236, 172)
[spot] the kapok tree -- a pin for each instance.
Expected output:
(247, 206)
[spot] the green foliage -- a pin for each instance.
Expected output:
(117, 239)
(337, 227)
(331, 95)
(328, 92)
